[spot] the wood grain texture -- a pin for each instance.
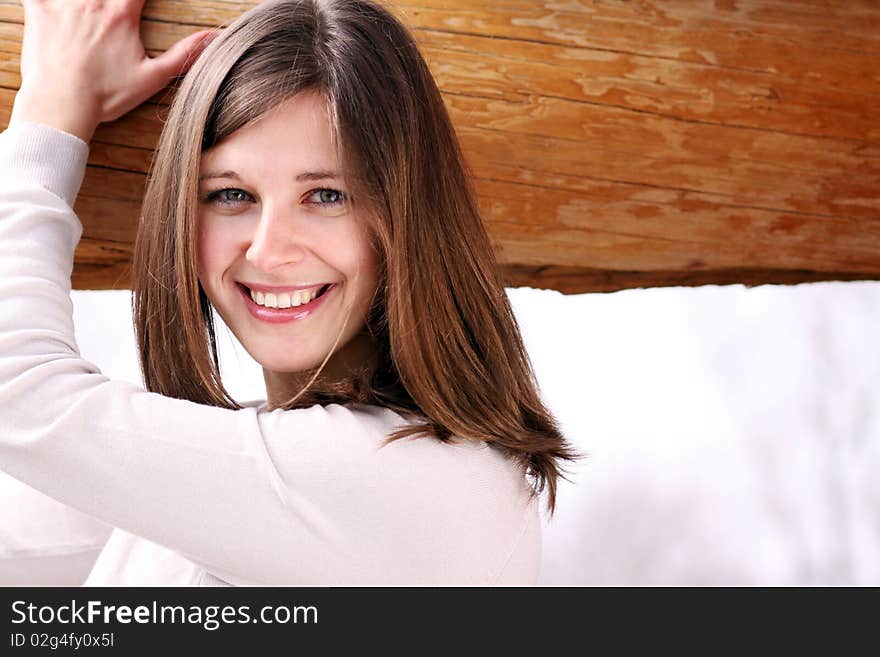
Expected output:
(614, 143)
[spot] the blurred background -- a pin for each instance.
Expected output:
(732, 433)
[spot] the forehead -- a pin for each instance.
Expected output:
(296, 134)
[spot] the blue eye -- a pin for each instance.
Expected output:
(228, 196)
(328, 197)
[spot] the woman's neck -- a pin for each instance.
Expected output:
(347, 363)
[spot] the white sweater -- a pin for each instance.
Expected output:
(203, 495)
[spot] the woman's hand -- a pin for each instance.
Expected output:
(83, 63)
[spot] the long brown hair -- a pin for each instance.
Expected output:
(450, 351)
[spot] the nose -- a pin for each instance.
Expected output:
(276, 241)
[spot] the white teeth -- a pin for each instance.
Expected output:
(285, 300)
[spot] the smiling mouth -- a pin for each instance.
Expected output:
(285, 300)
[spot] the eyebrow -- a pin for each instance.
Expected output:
(305, 176)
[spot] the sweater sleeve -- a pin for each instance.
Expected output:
(43, 542)
(301, 497)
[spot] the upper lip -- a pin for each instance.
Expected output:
(276, 289)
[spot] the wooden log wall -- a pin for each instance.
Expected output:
(615, 143)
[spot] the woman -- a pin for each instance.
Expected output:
(307, 162)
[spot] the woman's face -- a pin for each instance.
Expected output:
(276, 224)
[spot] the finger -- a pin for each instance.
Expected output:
(132, 5)
(31, 6)
(136, 5)
(178, 59)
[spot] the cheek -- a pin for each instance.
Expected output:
(367, 263)
(209, 252)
